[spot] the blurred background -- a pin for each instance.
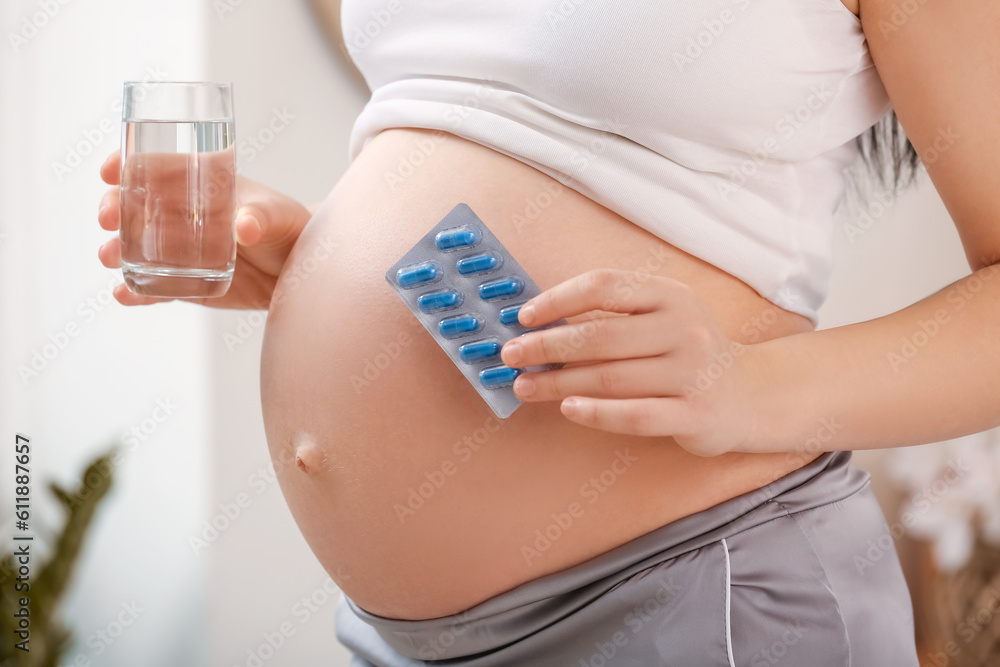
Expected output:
(168, 573)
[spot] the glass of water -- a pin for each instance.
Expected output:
(178, 188)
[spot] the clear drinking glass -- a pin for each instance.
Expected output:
(178, 188)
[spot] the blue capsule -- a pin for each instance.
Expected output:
(457, 237)
(508, 315)
(501, 289)
(483, 349)
(435, 301)
(498, 376)
(411, 276)
(477, 264)
(458, 326)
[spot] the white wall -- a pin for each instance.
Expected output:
(209, 607)
(891, 251)
(56, 90)
(261, 567)
(907, 249)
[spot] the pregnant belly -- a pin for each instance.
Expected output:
(414, 497)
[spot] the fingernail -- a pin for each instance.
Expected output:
(253, 226)
(512, 353)
(527, 314)
(524, 387)
(570, 406)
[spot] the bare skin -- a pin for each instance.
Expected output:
(358, 450)
(398, 426)
(361, 447)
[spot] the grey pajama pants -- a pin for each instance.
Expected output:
(801, 573)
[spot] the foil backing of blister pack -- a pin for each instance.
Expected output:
(466, 288)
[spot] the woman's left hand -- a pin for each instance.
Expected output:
(663, 368)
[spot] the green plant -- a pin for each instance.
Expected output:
(49, 638)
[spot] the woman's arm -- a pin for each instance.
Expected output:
(926, 373)
(930, 371)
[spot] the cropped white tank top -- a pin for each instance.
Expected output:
(720, 126)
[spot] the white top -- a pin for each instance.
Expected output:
(720, 126)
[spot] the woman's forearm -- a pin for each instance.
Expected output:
(926, 373)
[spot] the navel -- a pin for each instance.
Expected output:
(308, 457)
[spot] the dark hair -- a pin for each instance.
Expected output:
(888, 154)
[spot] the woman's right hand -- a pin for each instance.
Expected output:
(267, 225)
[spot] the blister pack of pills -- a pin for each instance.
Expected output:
(466, 289)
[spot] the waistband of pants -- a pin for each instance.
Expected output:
(538, 603)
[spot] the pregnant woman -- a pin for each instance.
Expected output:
(680, 492)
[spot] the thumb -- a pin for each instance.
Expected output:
(261, 225)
